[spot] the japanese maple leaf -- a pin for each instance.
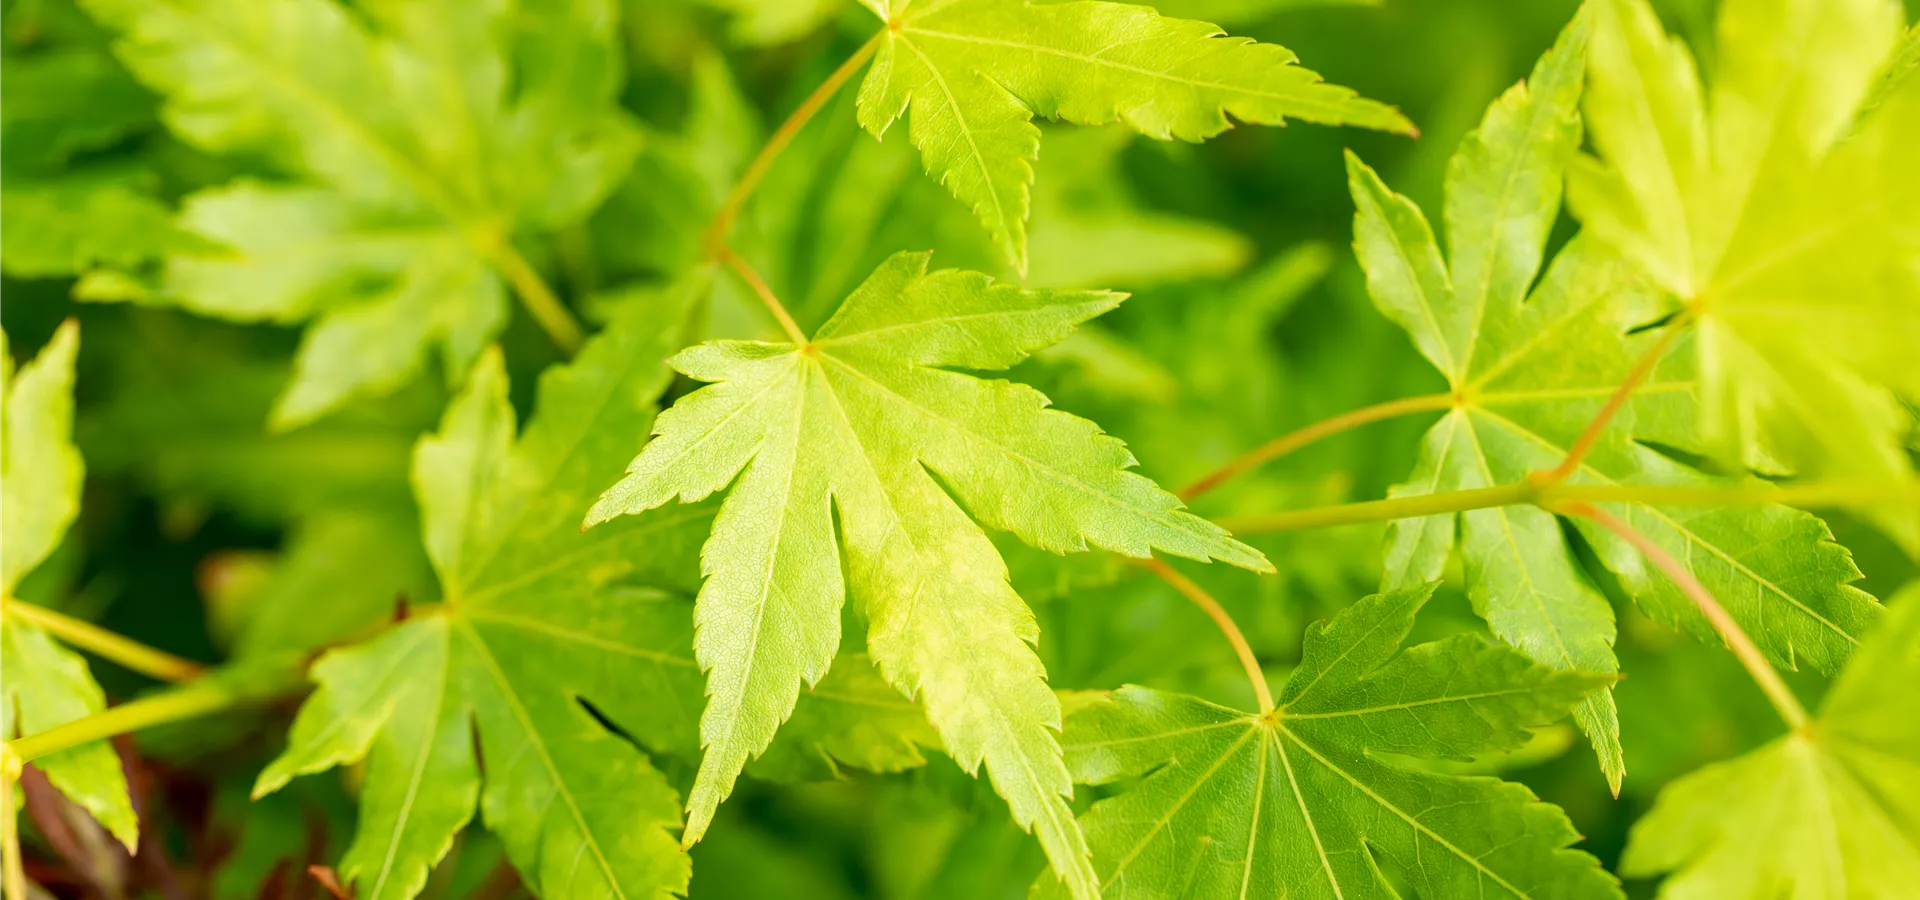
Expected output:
(1779, 202)
(1529, 366)
(859, 462)
(419, 148)
(974, 73)
(1299, 802)
(1827, 811)
(537, 621)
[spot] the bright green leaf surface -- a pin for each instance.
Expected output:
(1532, 367)
(537, 618)
(897, 443)
(975, 72)
(44, 684)
(1828, 812)
(425, 142)
(1297, 804)
(1793, 243)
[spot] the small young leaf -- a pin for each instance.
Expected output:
(976, 72)
(867, 419)
(1296, 803)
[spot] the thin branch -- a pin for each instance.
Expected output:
(1642, 370)
(103, 643)
(760, 289)
(1382, 510)
(722, 225)
(1813, 494)
(1287, 443)
(539, 299)
(188, 702)
(1742, 646)
(1212, 608)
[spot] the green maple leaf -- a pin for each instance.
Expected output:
(535, 617)
(1529, 371)
(911, 456)
(46, 684)
(422, 149)
(1828, 811)
(976, 72)
(1788, 224)
(1297, 802)
(59, 218)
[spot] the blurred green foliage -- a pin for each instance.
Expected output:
(206, 532)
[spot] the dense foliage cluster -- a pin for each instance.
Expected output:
(1559, 541)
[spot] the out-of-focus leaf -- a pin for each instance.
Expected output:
(46, 684)
(427, 136)
(1794, 243)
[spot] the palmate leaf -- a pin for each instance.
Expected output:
(975, 72)
(45, 684)
(866, 420)
(1297, 803)
(1529, 373)
(1788, 225)
(1826, 812)
(422, 148)
(539, 621)
(535, 617)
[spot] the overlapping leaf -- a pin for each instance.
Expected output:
(1299, 803)
(866, 420)
(1529, 371)
(535, 619)
(46, 684)
(975, 72)
(1828, 811)
(542, 632)
(1789, 225)
(61, 97)
(422, 148)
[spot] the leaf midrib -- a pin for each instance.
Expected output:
(560, 788)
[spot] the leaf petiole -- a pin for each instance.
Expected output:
(1816, 494)
(717, 231)
(1287, 443)
(189, 702)
(1255, 675)
(1737, 640)
(766, 295)
(540, 300)
(103, 643)
(1642, 370)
